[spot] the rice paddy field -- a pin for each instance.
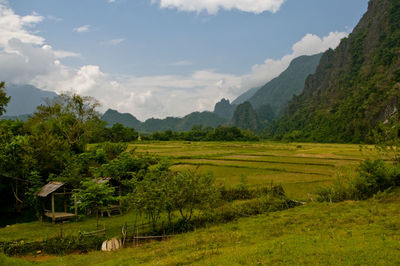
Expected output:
(347, 233)
(298, 167)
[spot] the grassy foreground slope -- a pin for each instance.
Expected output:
(348, 233)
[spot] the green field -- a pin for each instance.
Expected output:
(318, 233)
(299, 167)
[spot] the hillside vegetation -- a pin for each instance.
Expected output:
(356, 86)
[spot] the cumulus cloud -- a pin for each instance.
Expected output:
(81, 29)
(27, 59)
(213, 6)
(310, 44)
(15, 26)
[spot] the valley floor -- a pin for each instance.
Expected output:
(348, 233)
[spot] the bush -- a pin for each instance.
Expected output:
(373, 176)
(57, 246)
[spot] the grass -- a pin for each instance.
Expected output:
(348, 233)
(299, 167)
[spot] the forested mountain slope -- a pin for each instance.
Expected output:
(280, 90)
(355, 87)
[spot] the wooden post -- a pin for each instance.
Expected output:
(65, 202)
(43, 211)
(104, 228)
(52, 208)
(61, 230)
(137, 235)
(76, 208)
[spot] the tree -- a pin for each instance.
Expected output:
(194, 191)
(17, 163)
(3, 99)
(95, 195)
(72, 118)
(149, 196)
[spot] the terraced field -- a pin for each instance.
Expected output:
(298, 167)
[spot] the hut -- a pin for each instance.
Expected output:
(52, 189)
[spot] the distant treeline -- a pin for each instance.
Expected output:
(200, 133)
(120, 133)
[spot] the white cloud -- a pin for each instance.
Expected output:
(60, 54)
(26, 59)
(114, 42)
(111, 1)
(15, 26)
(213, 6)
(81, 29)
(54, 18)
(310, 44)
(182, 63)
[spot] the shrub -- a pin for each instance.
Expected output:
(57, 246)
(373, 176)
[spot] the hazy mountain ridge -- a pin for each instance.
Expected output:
(281, 89)
(25, 99)
(207, 119)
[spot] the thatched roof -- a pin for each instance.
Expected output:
(50, 188)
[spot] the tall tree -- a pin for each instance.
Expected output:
(72, 118)
(3, 99)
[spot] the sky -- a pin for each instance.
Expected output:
(159, 58)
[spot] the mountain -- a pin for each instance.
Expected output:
(245, 96)
(245, 117)
(356, 86)
(224, 109)
(280, 90)
(112, 117)
(207, 119)
(25, 99)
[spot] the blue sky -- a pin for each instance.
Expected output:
(157, 58)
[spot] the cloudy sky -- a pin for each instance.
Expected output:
(158, 58)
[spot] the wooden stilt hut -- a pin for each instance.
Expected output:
(51, 189)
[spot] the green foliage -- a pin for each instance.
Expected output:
(194, 191)
(70, 118)
(120, 133)
(3, 99)
(56, 246)
(199, 133)
(373, 177)
(95, 195)
(280, 90)
(224, 109)
(355, 87)
(245, 117)
(265, 114)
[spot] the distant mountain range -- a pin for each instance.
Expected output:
(24, 100)
(266, 102)
(207, 119)
(278, 92)
(270, 100)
